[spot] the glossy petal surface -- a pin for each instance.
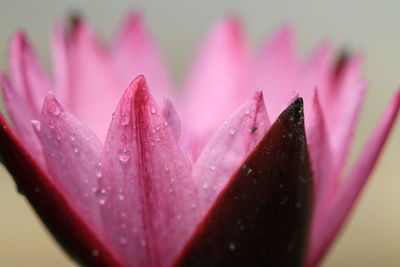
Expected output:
(261, 217)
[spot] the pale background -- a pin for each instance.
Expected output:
(372, 236)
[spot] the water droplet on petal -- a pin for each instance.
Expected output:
(121, 194)
(52, 124)
(75, 148)
(98, 171)
(232, 131)
(72, 136)
(167, 167)
(56, 111)
(205, 185)
(125, 120)
(123, 214)
(212, 166)
(143, 243)
(113, 116)
(124, 155)
(153, 110)
(101, 196)
(247, 111)
(123, 240)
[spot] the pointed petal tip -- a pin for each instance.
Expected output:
(51, 106)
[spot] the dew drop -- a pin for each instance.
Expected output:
(36, 125)
(125, 120)
(226, 122)
(75, 148)
(232, 131)
(153, 110)
(212, 166)
(121, 194)
(56, 111)
(113, 116)
(205, 185)
(123, 226)
(167, 167)
(247, 111)
(157, 138)
(124, 155)
(143, 243)
(123, 214)
(101, 196)
(72, 136)
(123, 240)
(194, 205)
(52, 124)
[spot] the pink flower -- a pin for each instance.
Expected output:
(228, 189)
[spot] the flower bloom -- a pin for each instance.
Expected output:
(231, 180)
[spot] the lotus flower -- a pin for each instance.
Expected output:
(123, 181)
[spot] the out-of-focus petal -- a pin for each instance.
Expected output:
(150, 197)
(325, 230)
(72, 153)
(261, 217)
(94, 85)
(276, 71)
(228, 147)
(319, 148)
(214, 87)
(20, 111)
(341, 104)
(27, 75)
(56, 211)
(135, 53)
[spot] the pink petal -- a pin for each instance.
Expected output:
(20, 112)
(276, 71)
(341, 103)
(27, 75)
(228, 147)
(171, 117)
(72, 153)
(319, 148)
(215, 85)
(325, 231)
(56, 211)
(261, 217)
(150, 207)
(93, 82)
(136, 53)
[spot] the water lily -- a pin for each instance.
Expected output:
(206, 176)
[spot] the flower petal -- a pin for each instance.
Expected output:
(27, 75)
(348, 191)
(261, 217)
(228, 147)
(53, 208)
(136, 53)
(150, 206)
(276, 71)
(171, 117)
(93, 82)
(214, 87)
(71, 152)
(20, 112)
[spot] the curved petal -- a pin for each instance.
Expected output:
(228, 147)
(93, 83)
(135, 53)
(72, 152)
(324, 232)
(20, 111)
(172, 118)
(53, 208)
(261, 217)
(27, 75)
(276, 71)
(214, 87)
(150, 198)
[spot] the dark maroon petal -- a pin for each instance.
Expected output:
(74, 235)
(262, 217)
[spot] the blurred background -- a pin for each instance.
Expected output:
(372, 235)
